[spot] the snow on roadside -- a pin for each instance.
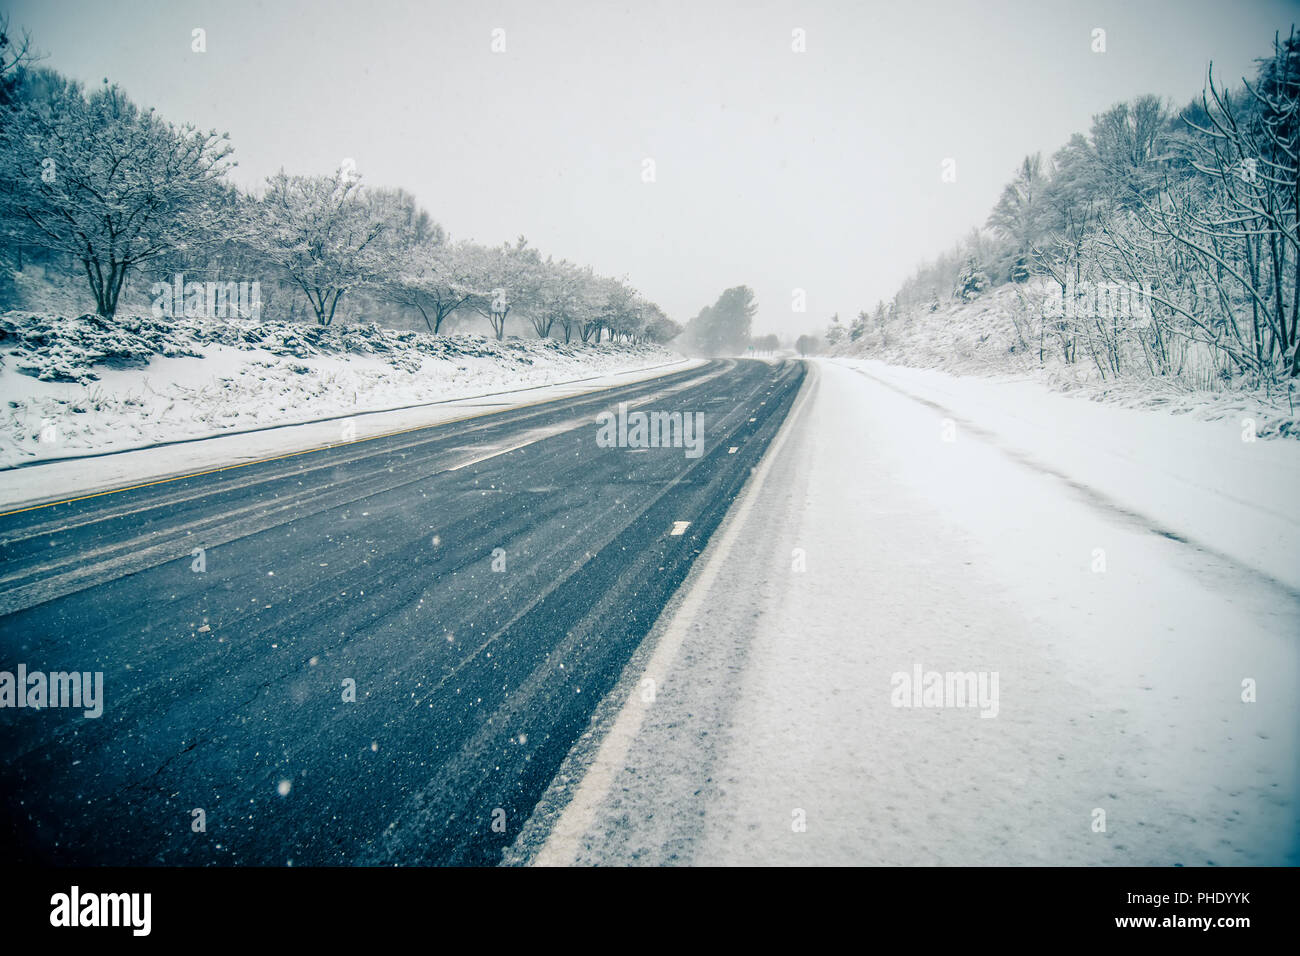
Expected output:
(1121, 735)
(72, 386)
(980, 338)
(1197, 479)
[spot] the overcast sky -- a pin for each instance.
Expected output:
(781, 170)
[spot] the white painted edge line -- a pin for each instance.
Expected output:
(564, 841)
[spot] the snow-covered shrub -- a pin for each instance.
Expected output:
(971, 283)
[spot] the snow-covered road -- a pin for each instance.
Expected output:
(1121, 587)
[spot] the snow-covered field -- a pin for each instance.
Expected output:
(1131, 579)
(75, 386)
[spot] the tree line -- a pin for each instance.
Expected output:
(93, 183)
(1161, 243)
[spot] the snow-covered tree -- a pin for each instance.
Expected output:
(507, 280)
(657, 326)
(16, 55)
(614, 298)
(435, 279)
(327, 234)
(971, 283)
(859, 327)
(835, 332)
(724, 328)
(560, 295)
(95, 177)
(1019, 213)
(584, 307)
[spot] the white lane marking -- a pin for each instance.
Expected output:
(679, 527)
(563, 844)
(494, 454)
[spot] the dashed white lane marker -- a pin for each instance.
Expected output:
(679, 527)
(731, 450)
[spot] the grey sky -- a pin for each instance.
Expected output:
(782, 170)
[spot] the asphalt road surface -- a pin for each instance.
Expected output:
(483, 583)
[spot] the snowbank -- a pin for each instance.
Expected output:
(69, 386)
